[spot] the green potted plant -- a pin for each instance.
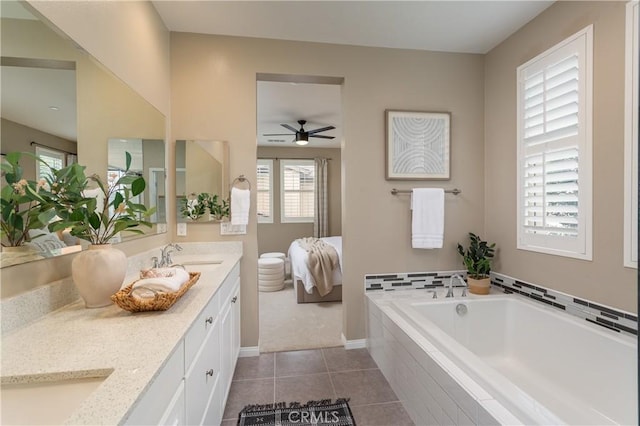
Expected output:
(477, 259)
(96, 212)
(20, 203)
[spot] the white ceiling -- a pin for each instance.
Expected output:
(286, 103)
(450, 26)
(29, 93)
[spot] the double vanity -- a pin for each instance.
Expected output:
(109, 366)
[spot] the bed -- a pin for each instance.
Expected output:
(305, 287)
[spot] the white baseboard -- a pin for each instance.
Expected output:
(353, 344)
(249, 351)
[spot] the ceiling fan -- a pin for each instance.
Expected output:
(302, 136)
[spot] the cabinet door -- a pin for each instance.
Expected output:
(202, 377)
(226, 350)
(151, 407)
(175, 413)
(235, 332)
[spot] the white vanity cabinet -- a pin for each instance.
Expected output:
(201, 368)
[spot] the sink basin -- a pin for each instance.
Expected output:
(40, 402)
(195, 260)
(202, 262)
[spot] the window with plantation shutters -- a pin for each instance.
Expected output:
(297, 195)
(264, 191)
(554, 149)
(51, 159)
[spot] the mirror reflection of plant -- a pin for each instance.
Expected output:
(68, 188)
(192, 207)
(218, 207)
(20, 203)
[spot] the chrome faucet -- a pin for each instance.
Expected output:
(165, 259)
(450, 286)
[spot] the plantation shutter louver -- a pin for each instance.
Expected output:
(298, 189)
(554, 160)
(264, 191)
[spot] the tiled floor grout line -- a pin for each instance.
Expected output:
(274, 377)
(333, 388)
(378, 403)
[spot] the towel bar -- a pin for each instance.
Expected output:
(394, 191)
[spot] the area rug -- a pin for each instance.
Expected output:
(323, 412)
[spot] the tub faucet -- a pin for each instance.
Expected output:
(165, 259)
(450, 286)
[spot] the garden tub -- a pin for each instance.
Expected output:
(542, 366)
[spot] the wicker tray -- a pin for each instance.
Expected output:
(161, 301)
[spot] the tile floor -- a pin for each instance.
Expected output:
(316, 374)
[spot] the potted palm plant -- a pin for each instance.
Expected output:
(477, 259)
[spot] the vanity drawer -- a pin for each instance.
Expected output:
(199, 329)
(201, 379)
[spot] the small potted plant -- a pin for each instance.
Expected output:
(477, 259)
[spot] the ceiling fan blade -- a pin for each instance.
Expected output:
(277, 134)
(322, 136)
(322, 129)
(286, 126)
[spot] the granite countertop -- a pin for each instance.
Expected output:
(75, 342)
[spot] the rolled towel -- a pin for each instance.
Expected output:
(147, 287)
(158, 272)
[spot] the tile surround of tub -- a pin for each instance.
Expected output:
(23, 309)
(604, 316)
(408, 280)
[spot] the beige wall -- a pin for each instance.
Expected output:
(604, 279)
(213, 96)
(127, 37)
(278, 236)
(139, 56)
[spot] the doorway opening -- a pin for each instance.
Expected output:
(299, 191)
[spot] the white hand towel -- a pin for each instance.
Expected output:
(427, 219)
(240, 203)
(146, 287)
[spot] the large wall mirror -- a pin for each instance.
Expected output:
(202, 167)
(61, 104)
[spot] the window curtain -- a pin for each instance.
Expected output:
(321, 221)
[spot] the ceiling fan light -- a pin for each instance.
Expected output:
(302, 138)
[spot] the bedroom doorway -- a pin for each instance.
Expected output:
(299, 184)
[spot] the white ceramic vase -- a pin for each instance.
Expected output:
(98, 273)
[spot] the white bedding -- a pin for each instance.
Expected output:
(299, 269)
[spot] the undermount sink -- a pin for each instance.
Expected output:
(188, 261)
(37, 401)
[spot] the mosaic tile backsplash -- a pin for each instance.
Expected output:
(409, 280)
(612, 319)
(603, 316)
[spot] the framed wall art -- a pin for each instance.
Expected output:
(417, 145)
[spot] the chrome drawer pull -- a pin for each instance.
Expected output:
(209, 320)
(234, 299)
(210, 372)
